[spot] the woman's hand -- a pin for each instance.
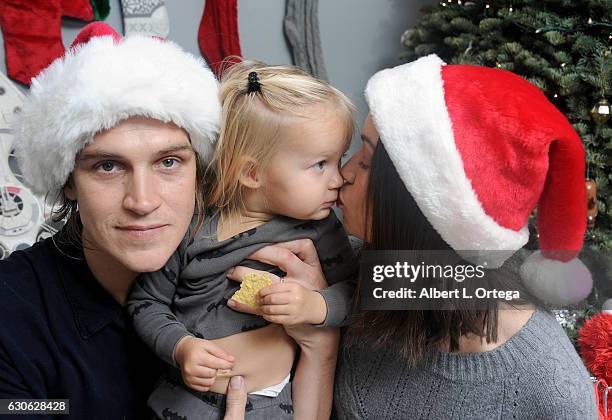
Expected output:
(294, 300)
(321, 340)
(299, 259)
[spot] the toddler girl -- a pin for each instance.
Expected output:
(274, 178)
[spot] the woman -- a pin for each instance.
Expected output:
(455, 158)
(499, 362)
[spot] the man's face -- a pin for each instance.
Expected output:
(135, 187)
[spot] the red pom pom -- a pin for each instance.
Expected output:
(92, 30)
(596, 346)
(596, 350)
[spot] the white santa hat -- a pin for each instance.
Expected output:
(479, 149)
(100, 81)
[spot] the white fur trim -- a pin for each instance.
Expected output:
(100, 83)
(408, 109)
(556, 282)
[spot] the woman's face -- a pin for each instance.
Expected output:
(356, 172)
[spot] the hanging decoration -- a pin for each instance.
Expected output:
(146, 17)
(601, 111)
(32, 31)
(218, 36)
(591, 191)
(302, 31)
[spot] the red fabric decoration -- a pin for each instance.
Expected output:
(595, 343)
(78, 9)
(32, 36)
(32, 31)
(218, 33)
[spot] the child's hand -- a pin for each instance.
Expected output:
(200, 362)
(290, 303)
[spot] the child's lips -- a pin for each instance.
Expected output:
(328, 204)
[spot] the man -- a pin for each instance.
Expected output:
(116, 133)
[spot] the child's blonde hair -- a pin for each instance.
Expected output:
(251, 121)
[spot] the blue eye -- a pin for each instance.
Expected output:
(106, 166)
(169, 162)
(319, 166)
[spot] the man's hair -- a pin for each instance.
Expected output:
(251, 121)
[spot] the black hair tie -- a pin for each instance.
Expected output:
(254, 85)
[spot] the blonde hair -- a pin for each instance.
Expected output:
(251, 121)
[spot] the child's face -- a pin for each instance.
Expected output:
(303, 177)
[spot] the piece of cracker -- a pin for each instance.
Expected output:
(251, 284)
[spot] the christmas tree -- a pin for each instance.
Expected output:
(564, 48)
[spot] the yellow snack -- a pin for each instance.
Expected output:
(251, 284)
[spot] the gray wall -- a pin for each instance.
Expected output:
(359, 37)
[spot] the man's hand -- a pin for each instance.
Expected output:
(236, 399)
(200, 362)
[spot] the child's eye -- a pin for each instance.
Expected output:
(319, 166)
(363, 166)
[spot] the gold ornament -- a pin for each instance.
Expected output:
(591, 192)
(601, 111)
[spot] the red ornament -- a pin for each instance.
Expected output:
(595, 343)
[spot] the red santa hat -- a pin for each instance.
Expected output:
(101, 80)
(479, 149)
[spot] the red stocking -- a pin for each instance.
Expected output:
(218, 33)
(32, 36)
(78, 9)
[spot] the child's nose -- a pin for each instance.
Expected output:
(336, 181)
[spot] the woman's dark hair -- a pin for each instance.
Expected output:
(395, 222)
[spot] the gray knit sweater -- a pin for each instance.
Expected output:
(534, 375)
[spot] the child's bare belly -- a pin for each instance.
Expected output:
(263, 357)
